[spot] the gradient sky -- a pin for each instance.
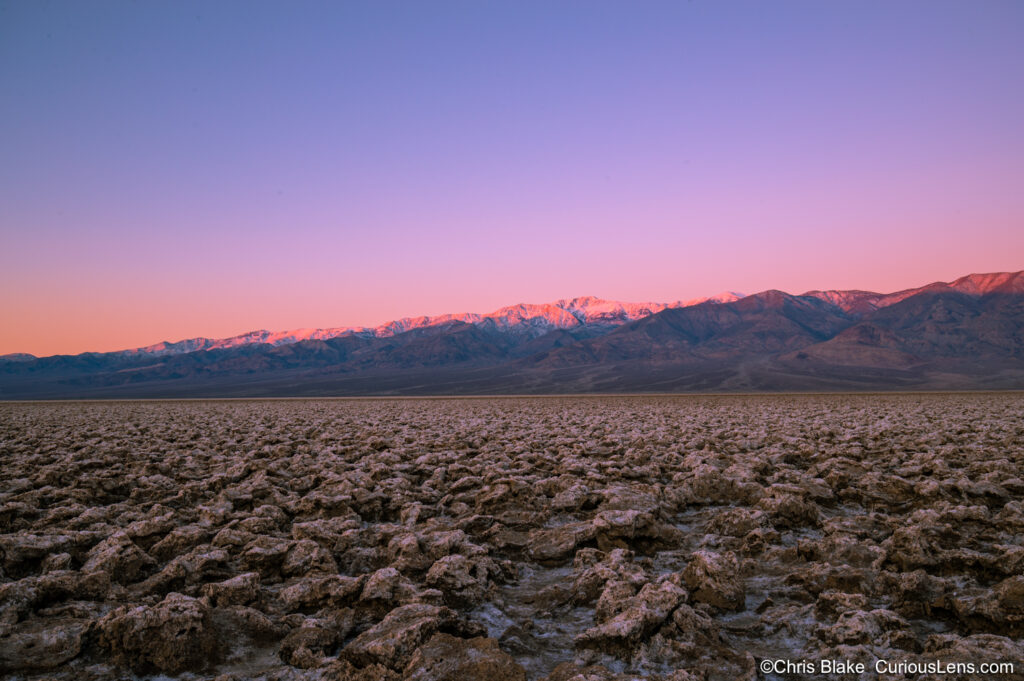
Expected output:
(178, 169)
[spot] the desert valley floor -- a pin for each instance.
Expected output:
(586, 538)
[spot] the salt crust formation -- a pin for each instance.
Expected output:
(566, 539)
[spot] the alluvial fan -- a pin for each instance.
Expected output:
(510, 538)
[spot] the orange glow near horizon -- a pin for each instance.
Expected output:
(72, 325)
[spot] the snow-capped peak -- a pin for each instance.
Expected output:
(527, 318)
(860, 302)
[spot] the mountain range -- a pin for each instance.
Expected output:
(964, 334)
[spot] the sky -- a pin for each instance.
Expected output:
(181, 169)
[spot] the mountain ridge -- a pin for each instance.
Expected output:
(563, 313)
(964, 334)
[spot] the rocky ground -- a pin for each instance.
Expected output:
(563, 539)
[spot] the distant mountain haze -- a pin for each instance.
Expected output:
(964, 334)
(522, 318)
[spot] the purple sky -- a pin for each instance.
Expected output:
(203, 169)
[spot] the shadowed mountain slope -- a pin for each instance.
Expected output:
(967, 334)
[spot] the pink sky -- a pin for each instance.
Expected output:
(174, 174)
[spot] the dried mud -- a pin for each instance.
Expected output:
(546, 538)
